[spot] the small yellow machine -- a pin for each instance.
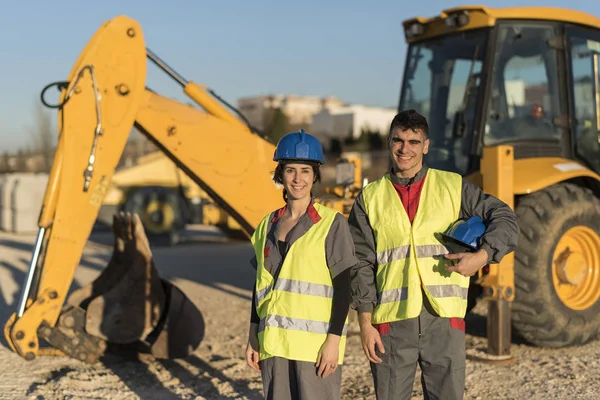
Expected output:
(512, 97)
(165, 198)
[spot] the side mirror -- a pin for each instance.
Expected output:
(344, 173)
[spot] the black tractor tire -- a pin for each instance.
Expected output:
(538, 315)
(160, 234)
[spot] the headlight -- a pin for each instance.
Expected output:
(457, 19)
(414, 29)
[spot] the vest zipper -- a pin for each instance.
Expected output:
(409, 208)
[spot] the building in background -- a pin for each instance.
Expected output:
(349, 122)
(299, 110)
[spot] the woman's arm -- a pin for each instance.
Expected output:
(341, 302)
(339, 251)
(253, 314)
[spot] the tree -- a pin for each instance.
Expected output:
(5, 163)
(349, 140)
(375, 139)
(21, 161)
(279, 125)
(369, 140)
(43, 137)
(335, 147)
(363, 142)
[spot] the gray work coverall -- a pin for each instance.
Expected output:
(437, 344)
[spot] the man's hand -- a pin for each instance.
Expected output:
(370, 337)
(252, 348)
(468, 263)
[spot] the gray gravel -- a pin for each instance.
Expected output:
(216, 277)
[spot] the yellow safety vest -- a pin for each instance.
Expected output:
(294, 313)
(410, 258)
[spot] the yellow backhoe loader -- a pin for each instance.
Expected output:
(512, 100)
(512, 96)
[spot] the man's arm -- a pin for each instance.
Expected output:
(362, 279)
(502, 233)
(362, 275)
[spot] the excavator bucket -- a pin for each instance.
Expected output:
(181, 330)
(129, 305)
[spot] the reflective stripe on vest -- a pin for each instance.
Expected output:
(409, 257)
(288, 285)
(295, 311)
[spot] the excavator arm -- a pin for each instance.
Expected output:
(129, 304)
(226, 160)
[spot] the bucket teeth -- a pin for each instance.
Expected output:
(69, 336)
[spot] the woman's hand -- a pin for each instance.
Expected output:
(252, 348)
(327, 361)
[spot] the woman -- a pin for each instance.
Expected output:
(301, 297)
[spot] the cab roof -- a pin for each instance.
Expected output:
(482, 16)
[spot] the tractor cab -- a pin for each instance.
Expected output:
(486, 81)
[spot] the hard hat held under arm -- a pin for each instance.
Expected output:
(464, 235)
(502, 229)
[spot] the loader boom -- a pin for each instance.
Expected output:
(104, 97)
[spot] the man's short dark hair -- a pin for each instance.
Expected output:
(409, 119)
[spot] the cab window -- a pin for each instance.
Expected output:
(524, 95)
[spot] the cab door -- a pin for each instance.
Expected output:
(584, 62)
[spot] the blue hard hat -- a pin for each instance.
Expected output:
(299, 146)
(464, 235)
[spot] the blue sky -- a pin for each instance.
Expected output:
(353, 50)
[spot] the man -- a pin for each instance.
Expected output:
(410, 295)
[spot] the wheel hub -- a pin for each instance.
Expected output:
(158, 217)
(576, 268)
(571, 267)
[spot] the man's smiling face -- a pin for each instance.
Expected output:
(407, 148)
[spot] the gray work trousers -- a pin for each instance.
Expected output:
(436, 344)
(285, 379)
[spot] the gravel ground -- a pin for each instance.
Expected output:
(216, 277)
